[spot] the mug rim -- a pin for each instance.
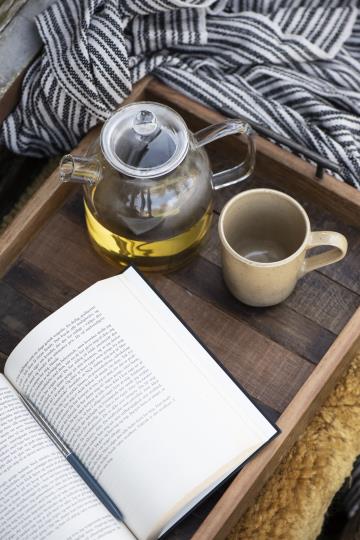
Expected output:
(239, 257)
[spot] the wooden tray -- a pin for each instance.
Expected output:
(288, 357)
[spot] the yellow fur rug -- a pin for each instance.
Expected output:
(293, 503)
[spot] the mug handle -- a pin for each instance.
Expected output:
(325, 238)
(217, 131)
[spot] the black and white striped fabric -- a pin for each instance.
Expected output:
(291, 65)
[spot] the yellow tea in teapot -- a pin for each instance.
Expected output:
(148, 185)
(162, 255)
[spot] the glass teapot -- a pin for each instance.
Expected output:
(148, 185)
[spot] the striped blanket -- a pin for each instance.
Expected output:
(291, 65)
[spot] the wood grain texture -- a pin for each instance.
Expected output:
(272, 351)
(331, 305)
(73, 260)
(39, 286)
(18, 315)
(17, 173)
(268, 371)
(3, 358)
(30, 218)
(46, 200)
(346, 271)
(298, 334)
(292, 422)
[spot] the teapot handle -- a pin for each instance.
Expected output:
(217, 131)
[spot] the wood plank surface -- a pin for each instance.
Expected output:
(332, 303)
(292, 422)
(268, 371)
(18, 315)
(3, 358)
(330, 308)
(51, 285)
(46, 200)
(346, 272)
(39, 286)
(246, 352)
(299, 334)
(288, 357)
(17, 174)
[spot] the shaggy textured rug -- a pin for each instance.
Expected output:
(294, 501)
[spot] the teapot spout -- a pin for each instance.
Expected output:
(80, 169)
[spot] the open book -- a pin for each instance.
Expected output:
(137, 398)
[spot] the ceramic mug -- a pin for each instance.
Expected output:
(265, 235)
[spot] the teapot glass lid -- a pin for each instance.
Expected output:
(144, 139)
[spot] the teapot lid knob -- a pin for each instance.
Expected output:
(144, 139)
(145, 123)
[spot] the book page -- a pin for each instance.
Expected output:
(145, 407)
(40, 495)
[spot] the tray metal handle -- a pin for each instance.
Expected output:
(321, 162)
